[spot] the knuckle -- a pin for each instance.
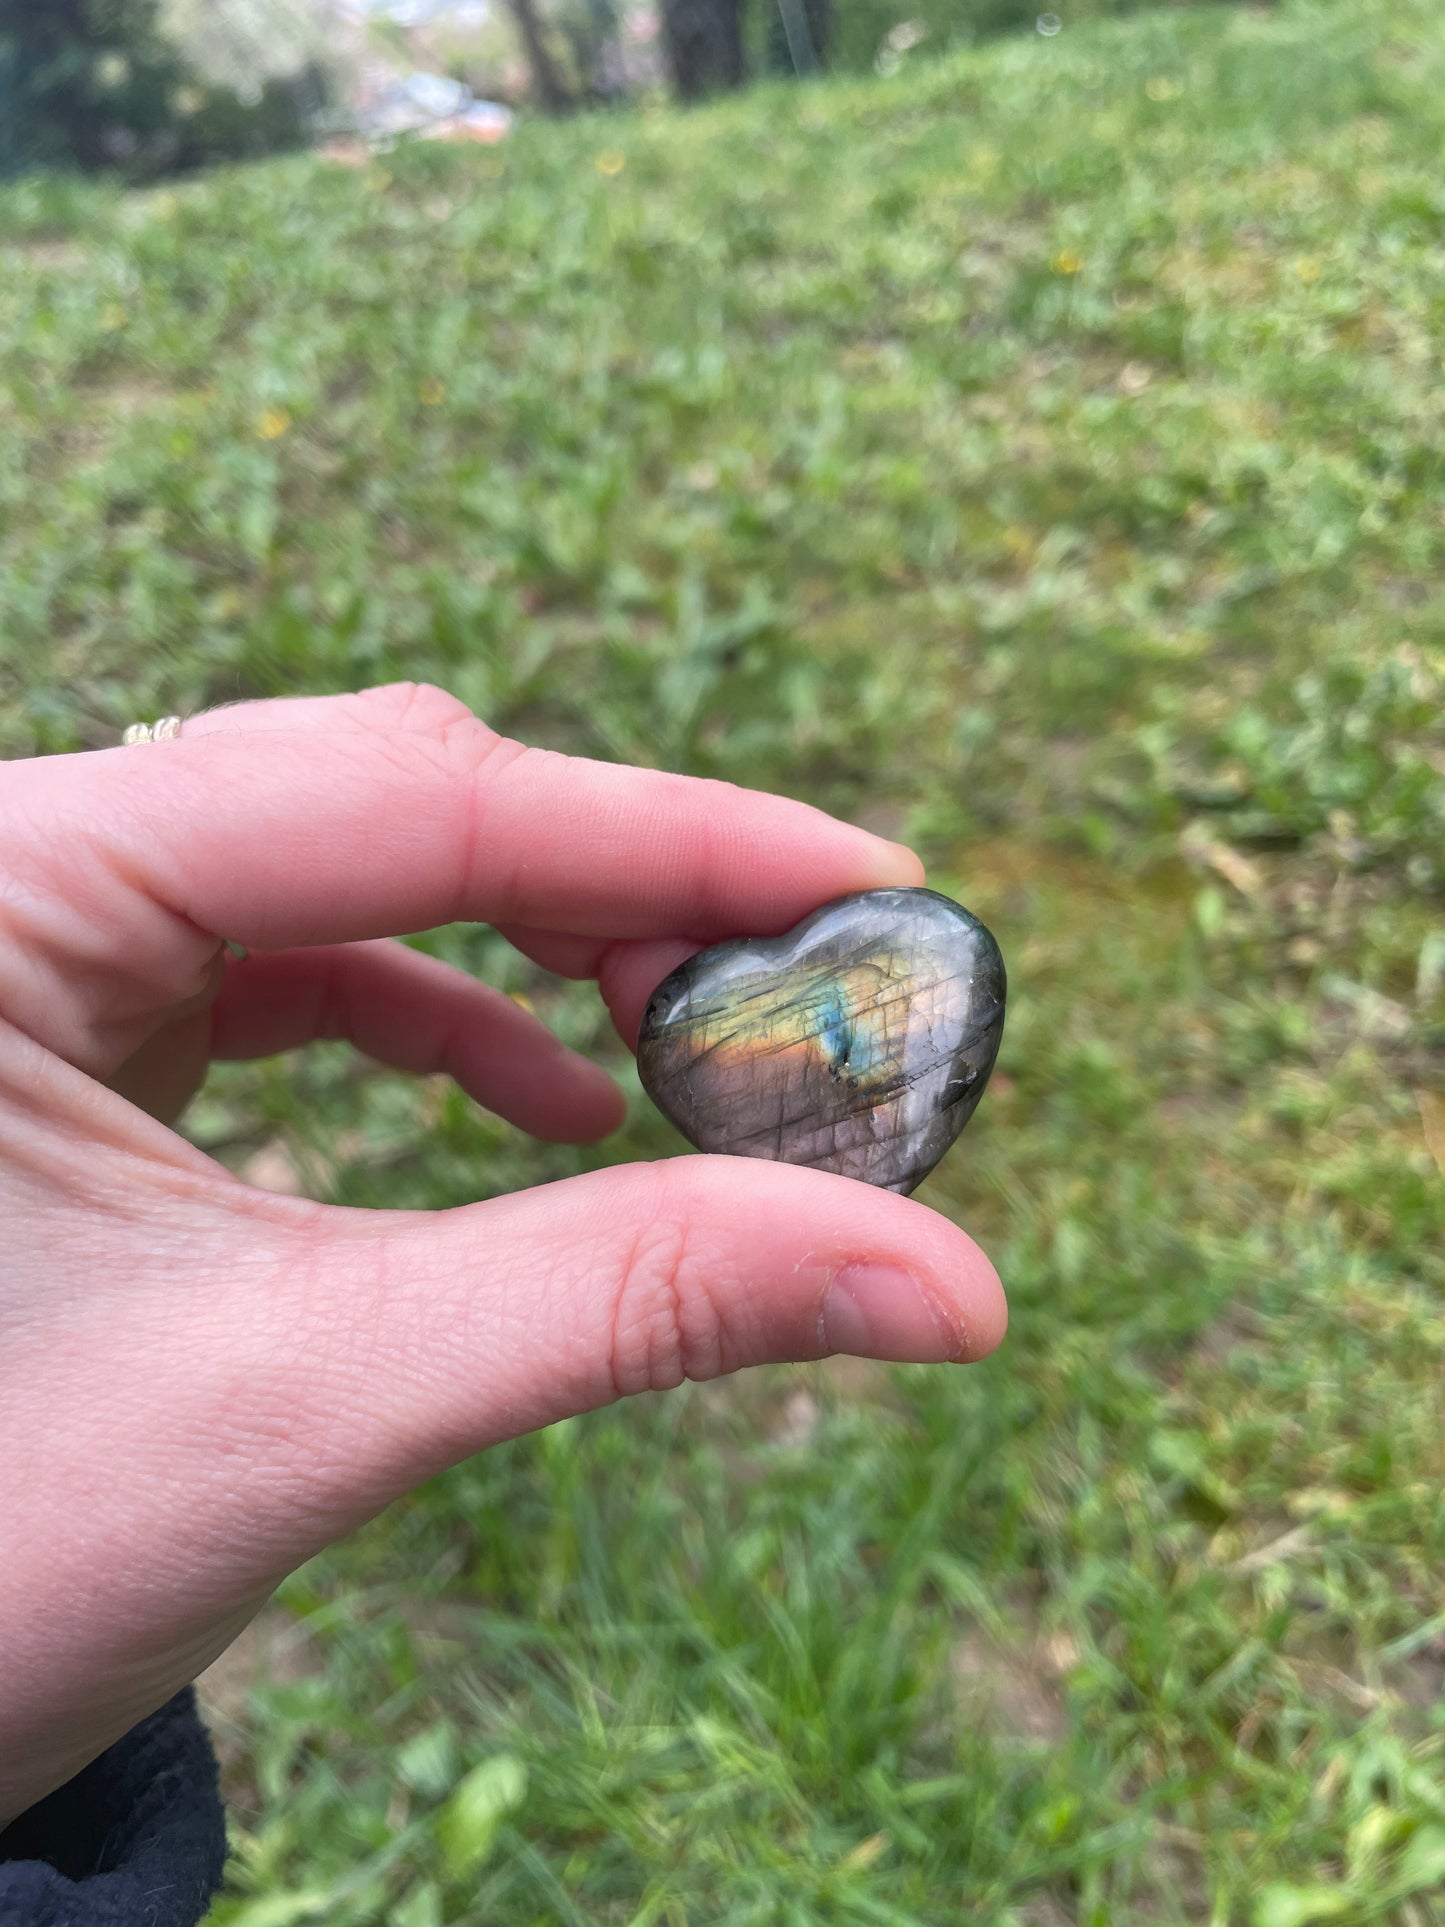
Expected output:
(420, 706)
(429, 737)
(426, 731)
(483, 764)
(666, 1322)
(706, 808)
(429, 726)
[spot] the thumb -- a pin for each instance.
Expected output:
(270, 1373)
(452, 1331)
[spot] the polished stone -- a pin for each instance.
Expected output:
(859, 1042)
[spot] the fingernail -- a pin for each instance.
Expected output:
(880, 1311)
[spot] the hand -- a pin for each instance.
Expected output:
(202, 1384)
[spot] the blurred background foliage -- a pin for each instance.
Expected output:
(1039, 454)
(153, 86)
(120, 85)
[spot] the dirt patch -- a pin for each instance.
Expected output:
(1238, 1328)
(1042, 1910)
(748, 1417)
(1420, 1679)
(272, 1649)
(123, 400)
(52, 253)
(1014, 1690)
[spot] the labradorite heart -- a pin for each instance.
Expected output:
(859, 1042)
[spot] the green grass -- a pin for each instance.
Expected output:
(1041, 454)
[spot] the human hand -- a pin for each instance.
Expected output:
(202, 1384)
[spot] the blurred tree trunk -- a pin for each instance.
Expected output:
(590, 30)
(551, 90)
(704, 44)
(799, 34)
(609, 69)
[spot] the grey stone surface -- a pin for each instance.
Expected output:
(860, 1041)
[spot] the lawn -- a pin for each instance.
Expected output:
(1040, 455)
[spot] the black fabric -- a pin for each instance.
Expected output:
(138, 1839)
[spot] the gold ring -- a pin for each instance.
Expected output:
(161, 732)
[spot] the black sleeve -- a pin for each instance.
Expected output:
(137, 1839)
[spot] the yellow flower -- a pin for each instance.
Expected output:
(1162, 88)
(272, 424)
(610, 162)
(1066, 261)
(113, 316)
(432, 391)
(1307, 270)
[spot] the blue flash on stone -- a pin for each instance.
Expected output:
(836, 1034)
(859, 1042)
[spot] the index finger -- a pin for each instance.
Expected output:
(333, 819)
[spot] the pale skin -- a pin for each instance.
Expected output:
(202, 1384)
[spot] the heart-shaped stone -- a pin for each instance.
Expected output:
(859, 1042)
